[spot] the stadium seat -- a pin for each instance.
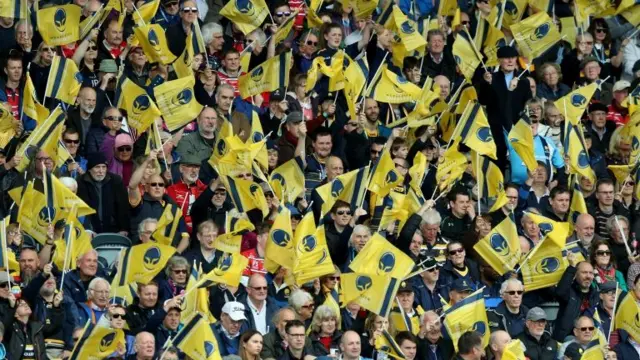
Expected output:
(108, 246)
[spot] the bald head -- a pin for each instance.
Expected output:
(585, 228)
(350, 345)
(444, 84)
(499, 339)
(145, 345)
(334, 167)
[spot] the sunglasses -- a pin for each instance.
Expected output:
(92, 48)
(159, 185)
(125, 148)
(603, 253)
(514, 292)
(259, 288)
(586, 328)
(69, 141)
(457, 251)
(117, 316)
(169, 4)
(190, 10)
(601, 30)
(343, 212)
(334, 278)
(433, 269)
(631, 183)
(312, 43)
(183, 271)
(308, 307)
(282, 13)
(465, 23)
(4, 285)
(114, 118)
(45, 49)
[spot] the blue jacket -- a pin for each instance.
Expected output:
(86, 312)
(225, 345)
(544, 150)
(161, 333)
(626, 351)
(427, 299)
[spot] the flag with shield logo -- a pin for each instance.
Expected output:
(535, 35)
(247, 15)
(501, 247)
(141, 263)
(373, 292)
(140, 108)
(228, 271)
(153, 40)
(385, 176)
(349, 187)
(279, 248)
(467, 315)
(97, 342)
(271, 75)
(177, 102)
(59, 25)
(196, 339)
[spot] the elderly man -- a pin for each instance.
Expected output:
(605, 309)
(274, 342)
(200, 143)
(584, 233)
(510, 314)
(177, 33)
(583, 330)
(213, 35)
(427, 292)
(431, 343)
(404, 317)
(97, 302)
(75, 281)
(84, 114)
(143, 307)
(498, 341)
(103, 135)
(436, 246)
(146, 228)
(575, 295)
(539, 344)
(205, 255)
(296, 132)
(145, 346)
(618, 229)
(225, 94)
(227, 331)
(259, 308)
(186, 190)
(211, 204)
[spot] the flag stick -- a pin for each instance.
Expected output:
(425, 55)
(166, 346)
(89, 22)
(477, 182)
(140, 15)
(473, 45)
(624, 237)
(164, 156)
(402, 313)
(46, 192)
(24, 93)
(5, 248)
(524, 71)
(613, 313)
(367, 87)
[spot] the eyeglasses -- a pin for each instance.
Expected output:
(603, 253)
(283, 13)
(334, 278)
(180, 271)
(69, 141)
(601, 30)
(586, 328)
(308, 307)
(125, 148)
(296, 335)
(114, 118)
(190, 10)
(117, 316)
(514, 292)
(92, 48)
(312, 43)
(4, 285)
(157, 185)
(401, 166)
(44, 159)
(259, 288)
(456, 251)
(343, 212)
(631, 183)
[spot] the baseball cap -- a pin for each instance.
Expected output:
(461, 285)
(536, 314)
(621, 85)
(405, 287)
(574, 351)
(607, 287)
(277, 96)
(235, 310)
(295, 117)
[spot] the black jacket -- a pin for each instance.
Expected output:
(16, 334)
(570, 298)
(137, 317)
(273, 347)
(318, 347)
(115, 203)
(448, 275)
(501, 319)
(545, 349)
(444, 349)
(626, 351)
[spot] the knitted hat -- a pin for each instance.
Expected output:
(95, 159)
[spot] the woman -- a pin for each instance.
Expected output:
(120, 159)
(177, 272)
(604, 264)
(325, 336)
(343, 15)
(40, 67)
(374, 325)
(550, 84)
(302, 303)
(85, 58)
(608, 56)
(329, 290)
(625, 194)
(299, 100)
(250, 345)
(619, 148)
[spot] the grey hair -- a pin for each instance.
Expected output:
(276, 317)
(107, 109)
(506, 283)
(358, 229)
(175, 261)
(95, 282)
(145, 222)
(70, 183)
(431, 217)
(583, 36)
(25, 22)
(222, 87)
(298, 298)
(261, 37)
(427, 313)
(322, 312)
(611, 222)
(209, 30)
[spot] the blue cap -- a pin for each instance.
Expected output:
(462, 285)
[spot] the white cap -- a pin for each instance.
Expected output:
(621, 85)
(235, 310)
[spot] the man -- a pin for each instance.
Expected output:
(322, 144)
(82, 116)
(259, 309)
(445, 86)
(511, 191)
(274, 342)
(177, 33)
(590, 67)
(436, 246)
(458, 267)
(145, 346)
(76, 165)
(211, 204)
(575, 295)
(616, 112)
(404, 317)
(225, 94)
(539, 344)
(427, 292)
(204, 255)
(339, 228)
(439, 60)
(470, 347)
(167, 14)
(350, 346)
(103, 136)
(584, 233)
(618, 229)
(600, 128)
(457, 222)
(227, 331)
(199, 144)
(97, 302)
(76, 281)
(273, 117)
(559, 201)
(113, 45)
(407, 343)
(605, 310)
(163, 324)
(510, 314)
(505, 97)
(605, 207)
(583, 329)
(497, 342)
(143, 307)
(295, 337)
(230, 71)
(458, 291)
(106, 193)
(29, 266)
(186, 190)
(12, 92)
(431, 344)
(146, 229)
(296, 133)
(213, 36)
(373, 126)
(308, 45)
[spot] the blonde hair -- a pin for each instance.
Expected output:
(323, 312)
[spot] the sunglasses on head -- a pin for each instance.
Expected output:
(457, 251)
(124, 148)
(283, 13)
(69, 141)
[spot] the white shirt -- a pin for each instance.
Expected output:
(259, 317)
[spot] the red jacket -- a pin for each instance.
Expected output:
(179, 192)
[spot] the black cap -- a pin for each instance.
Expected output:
(598, 107)
(405, 287)
(277, 95)
(95, 159)
(462, 285)
(507, 52)
(574, 351)
(607, 287)
(587, 60)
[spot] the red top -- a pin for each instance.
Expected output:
(179, 192)
(255, 265)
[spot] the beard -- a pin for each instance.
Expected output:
(27, 275)
(46, 292)
(89, 110)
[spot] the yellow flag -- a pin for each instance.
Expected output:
(514, 351)
(59, 25)
(247, 15)
(475, 132)
(196, 339)
(349, 187)
(373, 292)
(578, 205)
(246, 195)
(599, 335)
(279, 248)
(357, 72)
(145, 11)
(98, 342)
(501, 247)
(5, 254)
(90, 23)
(512, 12)
(336, 69)
(385, 176)
(30, 105)
(64, 80)
(141, 263)
(494, 40)
(555, 230)
(392, 88)
(167, 224)
(573, 105)
(6, 118)
(450, 167)
(418, 171)
(447, 7)
(543, 267)
(228, 271)
(312, 258)
(465, 55)
(76, 238)
(16, 9)
(535, 35)
(153, 40)
(284, 29)
(387, 345)
(287, 181)
(313, 20)
(271, 75)
(594, 350)
(406, 28)
(627, 315)
(36, 213)
(467, 315)
(141, 110)
(177, 102)
(43, 137)
(632, 15)
(490, 182)
(380, 257)
(521, 139)
(577, 152)
(182, 65)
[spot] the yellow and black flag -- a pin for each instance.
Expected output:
(97, 342)
(373, 292)
(501, 247)
(467, 58)
(64, 80)
(279, 248)
(543, 267)
(392, 88)
(385, 176)
(168, 224)
(59, 25)
(44, 137)
(30, 105)
(490, 182)
(287, 181)
(153, 40)
(535, 35)
(407, 30)
(380, 257)
(141, 263)
(467, 315)
(15, 9)
(576, 150)
(521, 139)
(628, 315)
(474, 131)
(349, 187)
(450, 167)
(387, 345)
(247, 15)
(271, 75)
(511, 12)
(228, 271)
(140, 108)
(177, 102)
(196, 339)
(246, 195)
(182, 65)
(555, 230)
(312, 258)
(573, 105)
(284, 29)
(145, 11)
